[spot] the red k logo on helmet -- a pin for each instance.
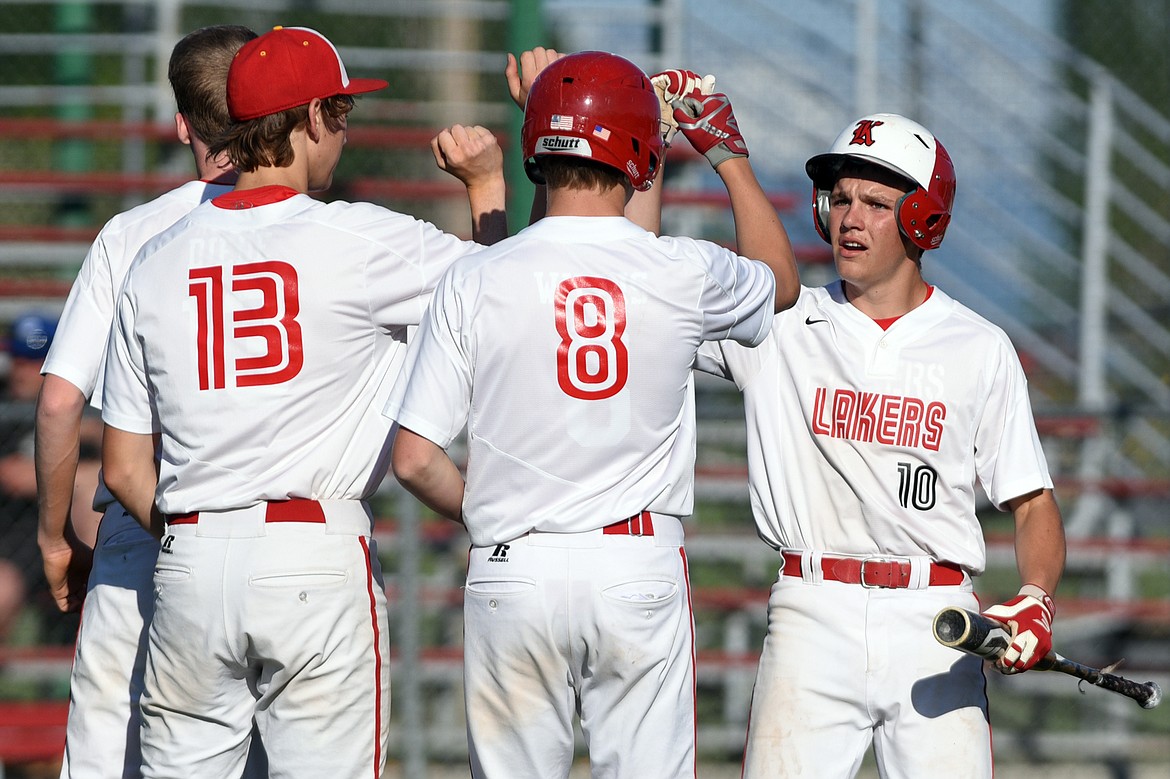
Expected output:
(863, 132)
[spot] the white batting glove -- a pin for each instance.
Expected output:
(674, 84)
(1029, 616)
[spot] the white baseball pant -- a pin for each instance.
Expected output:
(590, 623)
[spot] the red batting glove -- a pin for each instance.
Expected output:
(671, 85)
(709, 124)
(1029, 616)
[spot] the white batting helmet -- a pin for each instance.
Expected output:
(903, 147)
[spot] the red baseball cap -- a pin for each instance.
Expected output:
(285, 68)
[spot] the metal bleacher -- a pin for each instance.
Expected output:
(797, 72)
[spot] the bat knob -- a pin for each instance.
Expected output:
(1155, 696)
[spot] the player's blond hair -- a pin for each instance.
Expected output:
(264, 142)
(198, 72)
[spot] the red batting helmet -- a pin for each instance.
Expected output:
(594, 105)
(906, 148)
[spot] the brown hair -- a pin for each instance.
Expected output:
(198, 73)
(263, 142)
(564, 171)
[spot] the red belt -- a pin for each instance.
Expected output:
(637, 525)
(873, 571)
(295, 510)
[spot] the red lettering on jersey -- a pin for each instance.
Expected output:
(274, 321)
(935, 414)
(865, 423)
(863, 132)
(844, 404)
(870, 417)
(819, 427)
(206, 286)
(911, 425)
(890, 407)
(592, 360)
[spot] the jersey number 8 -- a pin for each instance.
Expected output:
(592, 362)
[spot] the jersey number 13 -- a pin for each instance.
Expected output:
(273, 321)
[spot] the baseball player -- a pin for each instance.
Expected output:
(567, 352)
(259, 338)
(106, 679)
(874, 408)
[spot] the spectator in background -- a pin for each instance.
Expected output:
(28, 342)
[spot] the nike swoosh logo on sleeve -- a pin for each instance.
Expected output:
(808, 320)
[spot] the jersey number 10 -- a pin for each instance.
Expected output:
(917, 487)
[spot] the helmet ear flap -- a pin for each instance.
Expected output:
(647, 181)
(922, 218)
(532, 170)
(820, 209)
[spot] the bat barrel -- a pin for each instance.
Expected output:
(970, 632)
(951, 627)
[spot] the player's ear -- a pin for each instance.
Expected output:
(315, 123)
(182, 130)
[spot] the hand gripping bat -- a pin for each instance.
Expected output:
(971, 632)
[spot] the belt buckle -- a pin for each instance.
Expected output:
(889, 583)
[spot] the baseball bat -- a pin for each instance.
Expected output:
(971, 632)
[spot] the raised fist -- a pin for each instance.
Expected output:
(1029, 616)
(708, 123)
(522, 71)
(671, 85)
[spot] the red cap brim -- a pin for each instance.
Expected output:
(358, 86)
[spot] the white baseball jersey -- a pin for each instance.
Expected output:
(271, 327)
(106, 677)
(568, 350)
(78, 353)
(863, 440)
